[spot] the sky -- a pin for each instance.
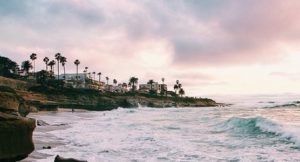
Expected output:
(211, 46)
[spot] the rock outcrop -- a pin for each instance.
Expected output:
(12, 103)
(15, 131)
(61, 159)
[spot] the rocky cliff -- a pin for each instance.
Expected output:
(47, 98)
(50, 98)
(15, 130)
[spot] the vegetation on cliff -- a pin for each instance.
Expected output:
(95, 100)
(44, 91)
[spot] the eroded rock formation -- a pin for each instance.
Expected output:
(15, 131)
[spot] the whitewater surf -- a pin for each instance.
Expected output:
(254, 128)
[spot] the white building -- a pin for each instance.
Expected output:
(81, 77)
(74, 80)
(121, 88)
(156, 87)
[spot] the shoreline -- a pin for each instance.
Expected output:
(42, 137)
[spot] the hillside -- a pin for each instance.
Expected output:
(49, 98)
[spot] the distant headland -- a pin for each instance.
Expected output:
(45, 90)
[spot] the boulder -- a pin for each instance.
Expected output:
(15, 130)
(15, 137)
(41, 123)
(61, 159)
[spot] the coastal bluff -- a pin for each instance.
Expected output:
(41, 98)
(15, 129)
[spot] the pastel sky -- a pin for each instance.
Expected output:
(211, 46)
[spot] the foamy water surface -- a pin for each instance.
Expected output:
(255, 128)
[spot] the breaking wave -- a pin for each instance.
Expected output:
(259, 125)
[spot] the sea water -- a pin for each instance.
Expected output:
(254, 128)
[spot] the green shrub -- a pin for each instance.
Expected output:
(7, 89)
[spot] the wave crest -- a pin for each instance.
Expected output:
(259, 125)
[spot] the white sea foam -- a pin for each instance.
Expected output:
(244, 132)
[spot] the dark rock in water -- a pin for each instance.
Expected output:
(61, 159)
(62, 124)
(41, 123)
(15, 130)
(104, 151)
(46, 147)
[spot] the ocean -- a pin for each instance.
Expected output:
(253, 128)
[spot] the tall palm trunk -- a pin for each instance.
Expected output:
(51, 68)
(34, 67)
(64, 72)
(58, 69)
(77, 72)
(132, 86)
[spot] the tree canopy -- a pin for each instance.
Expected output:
(8, 68)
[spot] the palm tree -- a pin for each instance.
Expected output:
(46, 60)
(26, 66)
(94, 73)
(179, 86)
(115, 81)
(151, 81)
(33, 58)
(163, 90)
(132, 82)
(63, 61)
(181, 92)
(163, 80)
(57, 57)
(99, 74)
(85, 71)
(175, 88)
(76, 62)
(51, 64)
(107, 78)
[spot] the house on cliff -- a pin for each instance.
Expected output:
(154, 87)
(82, 80)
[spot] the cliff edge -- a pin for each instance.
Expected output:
(15, 129)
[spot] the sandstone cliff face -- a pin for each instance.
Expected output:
(15, 130)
